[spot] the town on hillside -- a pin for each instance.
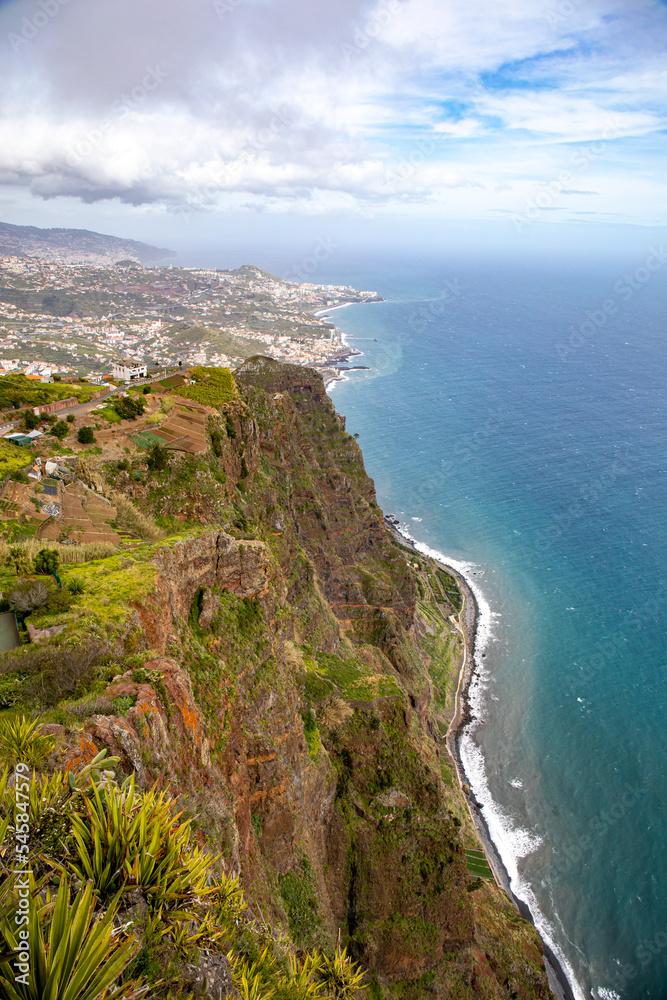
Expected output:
(64, 320)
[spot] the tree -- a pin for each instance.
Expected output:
(70, 418)
(16, 557)
(47, 561)
(147, 389)
(60, 429)
(129, 408)
(85, 435)
(30, 420)
(158, 458)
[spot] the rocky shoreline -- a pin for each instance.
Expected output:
(469, 619)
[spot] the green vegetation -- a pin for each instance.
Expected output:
(477, 864)
(60, 429)
(47, 561)
(297, 889)
(73, 953)
(213, 387)
(158, 458)
(130, 407)
(13, 460)
(101, 842)
(16, 388)
(21, 742)
(85, 435)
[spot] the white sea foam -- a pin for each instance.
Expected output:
(511, 842)
(516, 783)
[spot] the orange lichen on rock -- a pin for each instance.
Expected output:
(77, 757)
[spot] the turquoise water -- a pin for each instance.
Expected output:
(536, 458)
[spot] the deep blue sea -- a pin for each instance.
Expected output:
(536, 458)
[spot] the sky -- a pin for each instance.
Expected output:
(167, 116)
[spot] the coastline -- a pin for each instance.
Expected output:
(469, 620)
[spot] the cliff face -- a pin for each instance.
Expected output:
(291, 676)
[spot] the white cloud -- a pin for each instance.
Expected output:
(286, 102)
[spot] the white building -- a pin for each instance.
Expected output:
(125, 371)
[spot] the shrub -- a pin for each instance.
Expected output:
(130, 407)
(158, 458)
(85, 435)
(70, 418)
(50, 673)
(20, 742)
(216, 443)
(59, 600)
(30, 420)
(146, 390)
(60, 430)
(30, 596)
(76, 585)
(47, 561)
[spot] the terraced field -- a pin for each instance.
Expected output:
(184, 429)
(84, 517)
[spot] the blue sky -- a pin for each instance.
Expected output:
(170, 112)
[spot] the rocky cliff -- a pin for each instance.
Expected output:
(287, 669)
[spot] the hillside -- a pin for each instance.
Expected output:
(74, 246)
(259, 646)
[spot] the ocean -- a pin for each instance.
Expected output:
(513, 419)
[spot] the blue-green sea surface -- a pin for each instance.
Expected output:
(515, 426)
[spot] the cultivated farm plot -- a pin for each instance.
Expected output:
(477, 864)
(84, 517)
(184, 429)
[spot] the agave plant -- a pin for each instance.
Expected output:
(73, 954)
(299, 983)
(51, 800)
(253, 979)
(341, 978)
(128, 840)
(21, 743)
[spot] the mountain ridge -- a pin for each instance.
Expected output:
(75, 246)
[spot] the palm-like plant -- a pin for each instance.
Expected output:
(16, 557)
(132, 840)
(20, 742)
(73, 955)
(341, 978)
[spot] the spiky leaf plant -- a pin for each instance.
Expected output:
(73, 954)
(342, 979)
(21, 742)
(127, 840)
